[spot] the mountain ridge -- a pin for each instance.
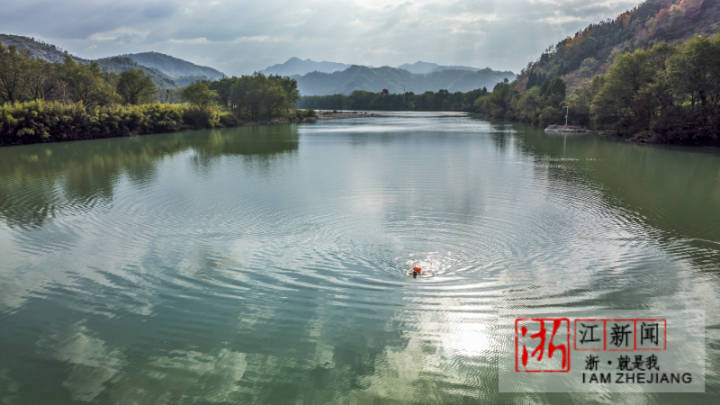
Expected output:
(169, 72)
(166, 71)
(296, 66)
(422, 67)
(119, 64)
(174, 67)
(38, 49)
(396, 80)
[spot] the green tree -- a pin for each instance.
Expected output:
(694, 72)
(13, 78)
(223, 87)
(42, 80)
(86, 83)
(239, 94)
(553, 91)
(529, 106)
(275, 99)
(579, 102)
(289, 86)
(625, 102)
(135, 87)
(200, 94)
(499, 103)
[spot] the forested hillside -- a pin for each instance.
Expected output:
(178, 69)
(651, 75)
(577, 59)
(38, 50)
(119, 64)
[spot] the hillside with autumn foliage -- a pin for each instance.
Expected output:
(589, 52)
(650, 75)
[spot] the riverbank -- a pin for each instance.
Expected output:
(41, 122)
(566, 129)
(336, 115)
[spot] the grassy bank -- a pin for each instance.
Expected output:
(50, 121)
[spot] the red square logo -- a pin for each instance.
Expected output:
(542, 345)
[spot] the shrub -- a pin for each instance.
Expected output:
(40, 121)
(200, 117)
(229, 120)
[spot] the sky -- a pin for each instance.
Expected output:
(240, 36)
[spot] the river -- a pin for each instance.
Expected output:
(269, 264)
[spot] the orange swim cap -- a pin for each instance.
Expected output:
(417, 269)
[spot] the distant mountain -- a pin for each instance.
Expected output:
(174, 67)
(119, 64)
(166, 72)
(296, 66)
(314, 78)
(396, 80)
(421, 67)
(579, 58)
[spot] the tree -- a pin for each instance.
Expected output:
(499, 103)
(694, 71)
(86, 83)
(289, 85)
(619, 104)
(693, 75)
(135, 87)
(529, 106)
(13, 80)
(553, 91)
(200, 94)
(223, 87)
(239, 93)
(638, 95)
(42, 80)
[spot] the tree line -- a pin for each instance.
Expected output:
(44, 102)
(258, 96)
(441, 100)
(23, 78)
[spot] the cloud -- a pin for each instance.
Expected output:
(122, 34)
(91, 362)
(188, 368)
(189, 41)
(243, 36)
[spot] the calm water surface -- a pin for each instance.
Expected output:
(268, 265)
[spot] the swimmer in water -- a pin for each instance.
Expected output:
(416, 271)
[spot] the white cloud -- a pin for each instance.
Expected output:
(562, 19)
(92, 363)
(189, 41)
(243, 35)
(120, 34)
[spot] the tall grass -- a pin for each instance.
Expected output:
(43, 121)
